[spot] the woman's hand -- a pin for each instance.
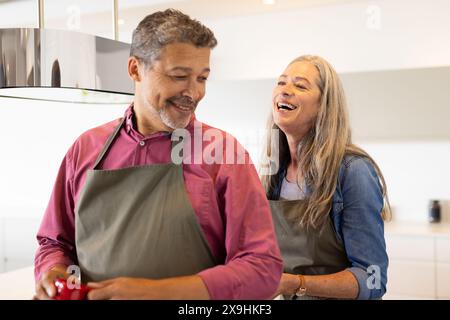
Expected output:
(340, 285)
(289, 284)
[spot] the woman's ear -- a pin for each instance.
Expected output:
(133, 69)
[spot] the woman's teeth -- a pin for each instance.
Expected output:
(286, 106)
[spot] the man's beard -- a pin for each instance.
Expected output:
(165, 117)
(171, 123)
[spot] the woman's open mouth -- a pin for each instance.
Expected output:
(284, 106)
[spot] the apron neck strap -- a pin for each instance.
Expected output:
(108, 143)
(178, 139)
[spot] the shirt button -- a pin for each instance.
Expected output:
(142, 143)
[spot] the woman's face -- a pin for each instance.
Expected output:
(296, 99)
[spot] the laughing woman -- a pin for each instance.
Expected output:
(328, 196)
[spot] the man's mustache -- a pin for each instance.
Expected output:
(184, 101)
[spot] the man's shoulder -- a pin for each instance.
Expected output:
(205, 127)
(209, 131)
(94, 138)
(219, 147)
(100, 132)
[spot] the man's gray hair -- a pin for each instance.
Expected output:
(161, 28)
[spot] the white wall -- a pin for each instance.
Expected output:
(415, 172)
(409, 34)
(416, 168)
(34, 137)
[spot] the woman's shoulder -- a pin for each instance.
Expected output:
(356, 166)
(356, 162)
(358, 178)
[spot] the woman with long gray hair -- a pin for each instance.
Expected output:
(328, 196)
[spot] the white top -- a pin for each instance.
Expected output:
(291, 191)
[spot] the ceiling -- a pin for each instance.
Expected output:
(197, 8)
(95, 16)
(211, 9)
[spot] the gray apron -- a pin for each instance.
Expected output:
(306, 251)
(138, 222)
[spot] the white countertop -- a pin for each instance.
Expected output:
(17, 284)
(417, 228)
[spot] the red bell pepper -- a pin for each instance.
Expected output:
(63, 292)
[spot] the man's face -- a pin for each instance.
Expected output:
(172, 87)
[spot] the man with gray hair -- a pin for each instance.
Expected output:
(136, 224)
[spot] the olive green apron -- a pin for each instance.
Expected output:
(306, 251)
(138, 222)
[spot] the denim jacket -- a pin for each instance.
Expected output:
(356, 215)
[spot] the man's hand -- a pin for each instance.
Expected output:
(122, 288)
(45, 287)
(179, 288)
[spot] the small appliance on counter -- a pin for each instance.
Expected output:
(434, 212)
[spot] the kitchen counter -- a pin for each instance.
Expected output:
(17, 284)
(418, 249)
(417, 228)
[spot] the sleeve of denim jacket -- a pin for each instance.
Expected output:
(362, 228)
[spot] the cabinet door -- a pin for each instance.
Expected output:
(443, 283)
(2, 244)
(411, 278)
(416, 248)
(443, 249)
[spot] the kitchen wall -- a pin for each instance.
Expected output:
(355, 36)
(405, 128)
(415, 172)
(34, 137)
(400, 118)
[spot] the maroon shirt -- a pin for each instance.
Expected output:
(228, 199)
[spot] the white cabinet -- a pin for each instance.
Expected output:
(18, 242)
(419, 262)
(443, 249)
(404, 247)
(443, 285)
(411, 278)
(443, 267)
(2, 246)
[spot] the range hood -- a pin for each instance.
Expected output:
(45, 64)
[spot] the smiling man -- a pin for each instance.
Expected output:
(140, 226)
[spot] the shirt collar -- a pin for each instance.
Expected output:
(129, 118)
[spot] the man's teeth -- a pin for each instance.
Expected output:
(184, 108)
(286, 106)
